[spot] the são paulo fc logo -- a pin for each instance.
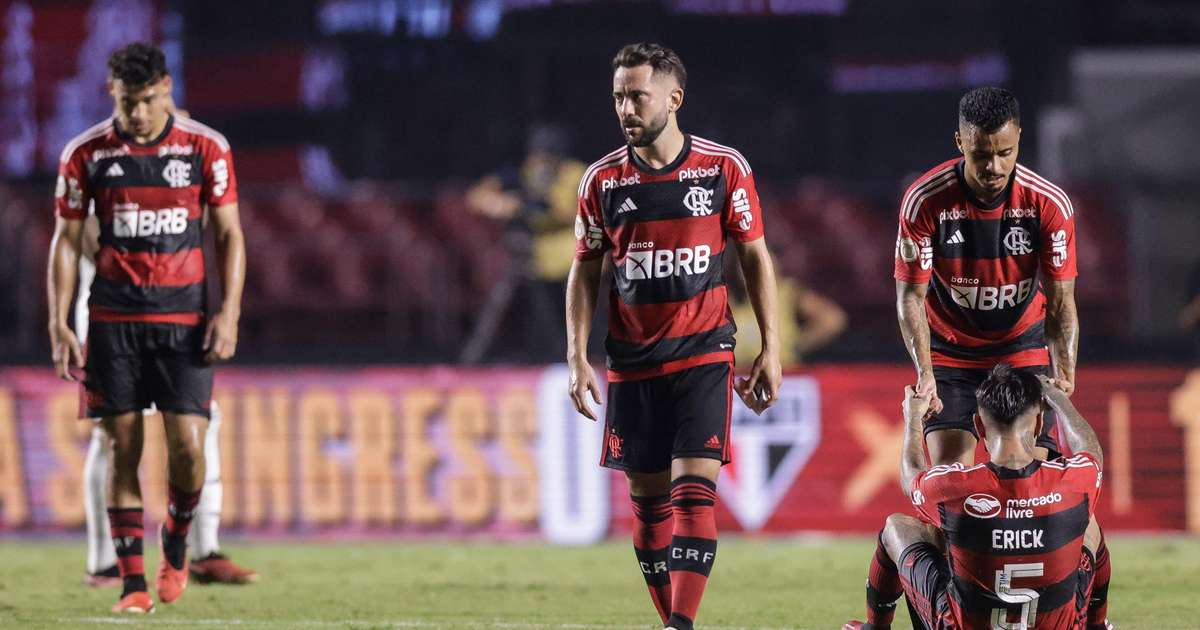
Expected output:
(982, 506)
(1017, 241)
(178, 173)
(699, 201)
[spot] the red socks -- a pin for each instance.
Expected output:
(1097, 610)
(693, 547)
(127, 533)
(181, 508)
(883, 589)
(652, 528)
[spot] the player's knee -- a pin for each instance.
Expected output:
(649, 484)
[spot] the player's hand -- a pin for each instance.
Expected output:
(65, 352)
(1052, 390)
(917, 406)
(1065, 382)
(220, 337)
(761, 389)
(927, 387)
(583, 381)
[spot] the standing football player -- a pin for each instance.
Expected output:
(150, 177)
(996, 242)
(208, 564)
(662, 209)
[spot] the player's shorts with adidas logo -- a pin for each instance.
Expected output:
(682, 414)
(670, 340)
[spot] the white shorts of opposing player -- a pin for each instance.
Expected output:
(202, 537)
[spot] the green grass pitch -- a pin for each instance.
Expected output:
(757, 583)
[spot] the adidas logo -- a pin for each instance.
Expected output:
(713, 442)
(115, 170)
(627, 206)
(956, 238)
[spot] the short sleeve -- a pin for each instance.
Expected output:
(932, 487)
(220, 182)
(1058, 260)
(914, 245)
(72, 193)
(1083, 474)
(590, 239)
(743, 212)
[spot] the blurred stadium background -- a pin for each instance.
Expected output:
(402, 167)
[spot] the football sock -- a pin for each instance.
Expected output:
(181, 508)
(652, 528)
(202, 537)
(1098, 604)
(693, 547)
(100, 552)
(883, 589)
(127, 533)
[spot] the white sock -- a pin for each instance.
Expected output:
(100, 551)
(202, 537)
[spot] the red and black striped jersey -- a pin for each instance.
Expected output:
(982, 263)
(149, 200)
(1015, 538)
(666, 230)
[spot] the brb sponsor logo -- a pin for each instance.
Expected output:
(741, 205)
(989, 298)
(133, 223)
(612, 183)
(699, 201)
(982, 506)
(697, 173)
(1058, 246)
(664, 263)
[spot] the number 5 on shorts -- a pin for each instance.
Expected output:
(1027, 597)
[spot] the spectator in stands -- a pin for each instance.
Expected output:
(807, 321)
(536, 200)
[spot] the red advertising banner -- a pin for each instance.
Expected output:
(500, 453)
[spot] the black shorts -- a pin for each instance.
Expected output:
(925, 577)
(133, 364)
(651, 421)
(956, 387)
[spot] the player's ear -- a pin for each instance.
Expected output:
(958, 142)
(1039, 423)
(979, 426)
(676, 100)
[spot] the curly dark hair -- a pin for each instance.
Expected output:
(137, 64)
(1008, 393)
(988, 109)
(658, 57)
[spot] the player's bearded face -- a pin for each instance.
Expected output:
(640, 133)
(642, 102)
(141, 109)
(990, 157)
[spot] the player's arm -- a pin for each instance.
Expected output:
(220, 338)
(583, 282)
(914, 330)
(61, 277)
(1062, 330)
(1073, 428)
(761, 389)
(916, 408)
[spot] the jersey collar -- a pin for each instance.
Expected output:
(1018, 473)
(162, 136)
(676, 163)
(970, 195)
